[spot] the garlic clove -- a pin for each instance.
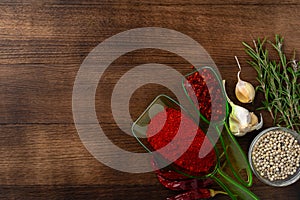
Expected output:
(244, 90)
(241, 121)
(254, 119)
(234, 127)
(241, 130)
(259, 125)
(240, 114)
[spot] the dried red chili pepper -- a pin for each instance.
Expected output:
(175, 181)
(197, 194)
(192, 195)
(189, 159)
(188, 184)
(168, 173)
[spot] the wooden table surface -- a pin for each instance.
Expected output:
(42, 46)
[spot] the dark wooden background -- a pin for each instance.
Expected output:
(41, 48)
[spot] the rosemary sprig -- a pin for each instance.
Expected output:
(279, 81)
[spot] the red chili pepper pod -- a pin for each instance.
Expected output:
(189, 184)
(167, 173)
(193, 195)
(200, 193)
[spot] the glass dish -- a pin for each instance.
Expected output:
(277, 183)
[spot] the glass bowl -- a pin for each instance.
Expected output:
(277, 183)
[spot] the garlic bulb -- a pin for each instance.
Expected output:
(244, 91)
(241, 121)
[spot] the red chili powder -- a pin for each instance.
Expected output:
(195, 83)
(189, 160)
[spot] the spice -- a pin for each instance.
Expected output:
(196, 83)
(188, 159)
(175, 181)
(241, 121)
(188, 184)
(276, 155)
(168, 174)
(200, 193)
(244, 90)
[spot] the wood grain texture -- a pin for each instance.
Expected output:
(42, 46)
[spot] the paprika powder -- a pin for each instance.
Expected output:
(170, 119)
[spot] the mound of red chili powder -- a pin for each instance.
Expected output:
(170, 120)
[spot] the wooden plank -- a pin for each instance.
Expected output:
(179, 3)
(148, 2)
(122, 192)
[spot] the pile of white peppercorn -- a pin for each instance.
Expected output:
(276, 155)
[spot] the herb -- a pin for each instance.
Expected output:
(279, 81)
